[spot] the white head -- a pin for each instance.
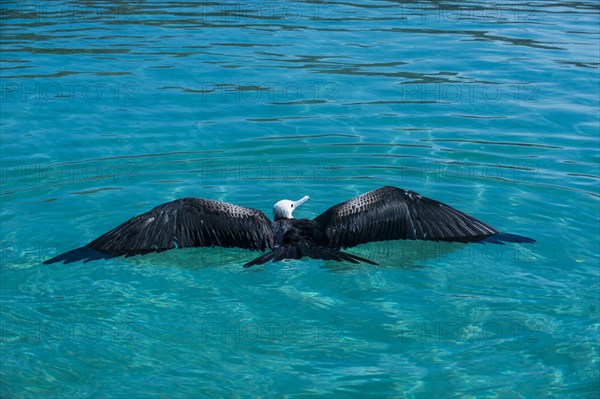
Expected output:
(283, 209)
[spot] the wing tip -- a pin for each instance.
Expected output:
(501, 238)
(85, 254)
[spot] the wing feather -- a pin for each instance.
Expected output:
(390, 213)
(188, 222)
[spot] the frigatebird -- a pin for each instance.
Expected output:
(387, 213)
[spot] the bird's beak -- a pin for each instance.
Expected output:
(301, 201)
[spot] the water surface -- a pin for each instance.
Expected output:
(111, 108)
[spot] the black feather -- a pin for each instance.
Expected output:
(186, 222)
(390, 213)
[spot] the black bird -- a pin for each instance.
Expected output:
(387, 213)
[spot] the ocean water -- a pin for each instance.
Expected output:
(110, 108)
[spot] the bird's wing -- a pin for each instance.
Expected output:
(188, 222)
(390, 213)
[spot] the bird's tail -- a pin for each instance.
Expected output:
(86, 254)
(300, 251)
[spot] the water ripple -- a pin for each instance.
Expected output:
(110, 108)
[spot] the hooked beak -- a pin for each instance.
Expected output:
(301, 201)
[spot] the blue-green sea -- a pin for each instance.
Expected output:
(110, 108)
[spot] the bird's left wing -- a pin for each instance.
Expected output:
(390, 213)
(186, 222)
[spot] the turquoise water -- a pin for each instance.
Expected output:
(110, 108)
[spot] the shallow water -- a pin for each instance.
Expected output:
(110, 109)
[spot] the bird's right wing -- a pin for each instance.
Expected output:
(390, 213)
(186, 222)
